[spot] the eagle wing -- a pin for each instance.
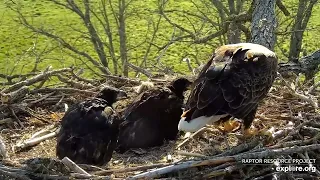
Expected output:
(235, 87)
(89, 132)
(141, 105)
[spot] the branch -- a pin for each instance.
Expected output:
(13, 175)
(195, 134)
(143, 71)
(293, 92)
(74, 167)
(64, 90)
(11, 77)
(220, 7)
(220, 160)
(282, 7)
(62, 42)
(240, 18)
(130, 169)
(36, 140)
(75, 84)
(35, 79)
(3, 149)
(123, 79)
(313, 87)
(307, 65)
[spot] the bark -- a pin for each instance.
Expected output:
(234, 32)
(122, 35)
(94, 37)
(264, 23)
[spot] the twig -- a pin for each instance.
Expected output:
(16, 117)
(81, 176)
(187, 60)
(77, 76)
(313, 87)
(58, 103)
(304, 176)
(199, 132)
(74, 83)
(65, 90)
(130, 169)
(298, 95)
(221, 160)
(6, 120)
(295, 143)
(220, 172)
(306, 156)
(123, 79)
(43, 98)
(267, 175)
(252, 174)
(37, 140)
(183, 153)
(89, 167)
(18, 94)
(240, 148)
(309, 131)
(13, 175)
(73, 166)
(3, 150)
(294, 131)
(42, 132)
(183, 165)
(35, 79)
(143, 71)
(48, 176)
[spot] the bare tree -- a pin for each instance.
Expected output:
(308, 64)
(105, 43)
(209, 24)
(300, 24)
(230, 20)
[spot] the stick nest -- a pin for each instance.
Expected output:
(30, 112)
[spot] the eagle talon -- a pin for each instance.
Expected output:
(247, 133)
(228, 126)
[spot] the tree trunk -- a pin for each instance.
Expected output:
(234, 32)
(264, 23)
(300, 24)
(122, 34)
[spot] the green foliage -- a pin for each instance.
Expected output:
(20, 48)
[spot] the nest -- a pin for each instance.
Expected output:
(288, 118)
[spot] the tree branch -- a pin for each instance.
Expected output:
(282, 7)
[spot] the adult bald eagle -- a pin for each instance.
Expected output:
(153, 117)
(233, 88)
(89, 129)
